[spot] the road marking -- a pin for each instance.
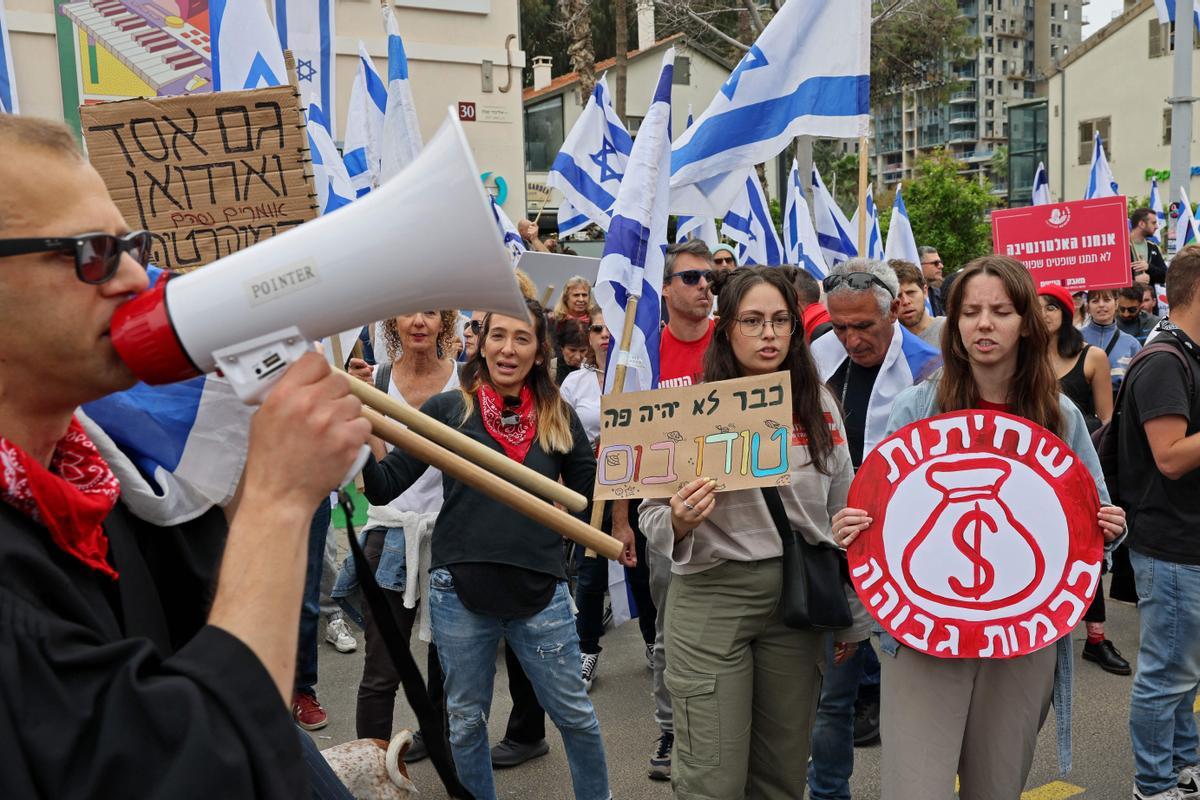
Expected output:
(1057, 790)
(1196, 705)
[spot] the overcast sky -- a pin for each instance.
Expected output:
(1098, 13)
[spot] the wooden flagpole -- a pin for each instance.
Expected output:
(862, 196)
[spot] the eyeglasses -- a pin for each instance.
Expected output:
(691, 277)
(858, 281)
(97, 255)
(476, 326)
(782, 325)
(937, 262)
(596, 328)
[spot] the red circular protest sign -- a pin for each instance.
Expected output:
(984, 542)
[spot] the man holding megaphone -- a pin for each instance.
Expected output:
(118, 676)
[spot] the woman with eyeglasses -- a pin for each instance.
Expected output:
(582, 391)
(495, 573)
(978, 718)
(743, 685)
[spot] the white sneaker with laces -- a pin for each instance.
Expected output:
(1169, 794)
(337, 633)
(587, 668)
(1189, 783)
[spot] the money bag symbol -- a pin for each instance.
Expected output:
(972, 551)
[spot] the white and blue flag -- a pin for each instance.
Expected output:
(8, 80)
(1041, 187)
(1186, 232)
(799, 235)
(508, 231)
(874, 238)
(1166, 11)
(306, 27)
(245, 48)
(901, 243)
(364, 125)
(333, 185)
(749, 224)
(808, 73)
(1156, 206)
(635, 249)
(570, 219)
(699, 226)
(401, 135)
(833, 229)
(589, 167)
(1101, 182)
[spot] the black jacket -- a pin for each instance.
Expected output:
(1154, 259)
(119, 689)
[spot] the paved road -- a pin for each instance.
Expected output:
(1103, 763)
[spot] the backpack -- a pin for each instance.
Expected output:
(1104, 438)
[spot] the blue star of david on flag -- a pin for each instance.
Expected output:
(755, 59)
(305, 70)
(600, 159)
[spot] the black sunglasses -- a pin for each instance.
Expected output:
(691, 277)
(858, 281)
(596, 328)
(476, 326)
(97, 255)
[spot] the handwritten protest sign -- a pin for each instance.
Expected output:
(737, 432)
(207, 174)
(1081, 245)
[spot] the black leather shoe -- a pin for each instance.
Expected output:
(508, 753)
(866, 723)
(417, 751)
(1107, 657)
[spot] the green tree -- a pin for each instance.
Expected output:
(948, 211)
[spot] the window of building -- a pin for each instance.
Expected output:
(1053, 10)
(682, 75)
(543, 134)
(1166, 126)
(1087, 132)
(1066, 12)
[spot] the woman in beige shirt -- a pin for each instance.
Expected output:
(744, 686)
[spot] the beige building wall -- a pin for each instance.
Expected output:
(1113, 77)
(447, 42)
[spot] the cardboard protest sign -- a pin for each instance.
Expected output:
(207, 174)
(984, 541)
(1080, 245)
(737, 432)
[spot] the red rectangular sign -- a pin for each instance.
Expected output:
(1081, 245)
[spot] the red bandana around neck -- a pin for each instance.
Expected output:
(517, 436)
(71, 499)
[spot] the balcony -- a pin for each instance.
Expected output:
(960, 117)
(964, 136)
(963, 96)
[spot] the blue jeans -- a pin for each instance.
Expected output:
(310, 607)
(1161, 722)
(548, 649)
(832, 753)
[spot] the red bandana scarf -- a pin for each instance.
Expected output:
(71, 499)
(517, 435)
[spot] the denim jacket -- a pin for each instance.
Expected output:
(391, 574)
(920, 402)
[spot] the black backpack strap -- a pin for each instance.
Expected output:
(1108, 348)
(778, 514)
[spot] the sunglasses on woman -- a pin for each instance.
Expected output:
(858, 281)
(596, 328)
(691, 277)
(97, 255)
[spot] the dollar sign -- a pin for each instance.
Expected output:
(974, 522)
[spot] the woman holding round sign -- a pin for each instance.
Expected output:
(744, 686)
(976, 531)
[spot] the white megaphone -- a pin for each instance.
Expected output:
(251, 314)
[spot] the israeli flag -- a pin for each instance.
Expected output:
(1041, 187)
(833, 229)
(807, 74)
(1166, 11)
(700, 226)
(570, 220)
(364, 125)
(1156, 206)
(1186, 232)
(306, 27)
(1101, 182)
(8, 80)
(901, 243)
(334, 188)
(799, 236)
(874, 239)
(593, 159)
(508, 231)
(749, 224)
(177, 449)
(635, 249)
(245, 48)
(401, 135)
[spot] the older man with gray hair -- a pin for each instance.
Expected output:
(868, 361)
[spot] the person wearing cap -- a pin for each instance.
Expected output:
(724, 259)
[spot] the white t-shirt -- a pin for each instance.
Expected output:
(581, 391)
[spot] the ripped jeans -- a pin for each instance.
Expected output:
(548, 649)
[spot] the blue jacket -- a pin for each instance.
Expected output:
(1121, 354)
(920, 402)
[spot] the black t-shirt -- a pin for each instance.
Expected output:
(855, 397)
(1165, 514)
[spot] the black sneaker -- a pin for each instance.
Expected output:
(417, 751)
(660, 762)
(866, 723)
(1107, 656)
(508, 753)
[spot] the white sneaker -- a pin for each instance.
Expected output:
(337, 633)
(587, 668)
(1189, 782)
(1169, 794)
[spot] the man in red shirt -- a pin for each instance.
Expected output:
(686, 290)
